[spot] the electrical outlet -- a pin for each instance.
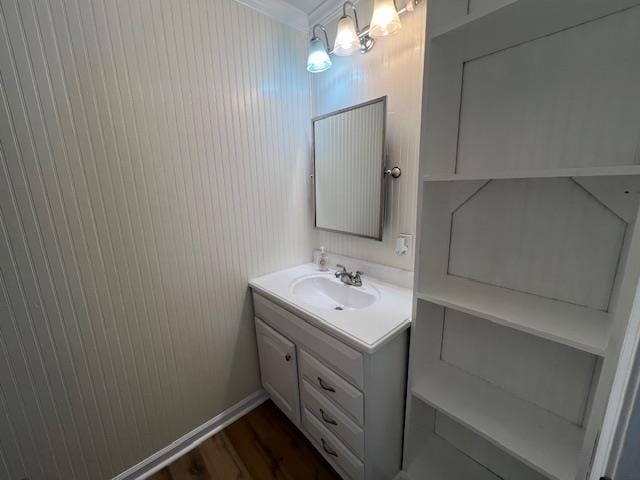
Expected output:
(404, 244)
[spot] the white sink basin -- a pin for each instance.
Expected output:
(327, 292)
(363, 317)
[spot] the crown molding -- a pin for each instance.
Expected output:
(327, 11)
(281, 11)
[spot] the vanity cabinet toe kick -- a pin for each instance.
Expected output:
(349, 404)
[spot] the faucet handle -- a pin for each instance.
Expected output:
(344, 269)
(358, 272)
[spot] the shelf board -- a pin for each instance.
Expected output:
(462, 23)
(517, 21)
(542, 440)
(623, 170)
(566, 323)
(439, 459)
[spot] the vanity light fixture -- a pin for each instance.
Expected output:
(385, 20)
(349, 38)
(318, 59)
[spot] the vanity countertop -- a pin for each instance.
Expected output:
(365, 329)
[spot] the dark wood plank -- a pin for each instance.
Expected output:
(271, 447)
(190, 466)
(222, 460)
(262, 445)
(163, 474)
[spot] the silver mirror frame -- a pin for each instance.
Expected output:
(383, 100)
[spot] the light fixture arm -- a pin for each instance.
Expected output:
(319, 60)
(355, 13)
(408, 7)
(326, 37)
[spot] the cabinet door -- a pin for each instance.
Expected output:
(279, 370)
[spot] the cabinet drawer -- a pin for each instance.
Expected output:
(332, 448)
(333, 419)
(342, 358)
(332, 386)
(279, 370)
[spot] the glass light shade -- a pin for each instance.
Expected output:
(318, 59)
(347, 41)
(385, 20)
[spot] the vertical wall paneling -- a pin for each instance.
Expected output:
(154, 155)
(565, 266)
(392, 68)
(537, 89)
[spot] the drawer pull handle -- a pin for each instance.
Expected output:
(326, 419)
(327, 449)
(287, 357)
(325, 387)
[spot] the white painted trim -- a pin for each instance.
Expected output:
(191, 440)
(619, 456)
(281, 11)
(621, 397)
(327, 11)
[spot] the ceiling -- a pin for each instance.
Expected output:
(306, 6)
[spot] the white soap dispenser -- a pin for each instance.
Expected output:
(323, 260)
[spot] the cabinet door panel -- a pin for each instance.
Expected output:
(348, 362)
(279, 370)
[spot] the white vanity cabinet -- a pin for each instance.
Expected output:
(278, 369)
(348, 402)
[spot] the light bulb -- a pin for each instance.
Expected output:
(318, 59)
(385, 20)
(347, 40)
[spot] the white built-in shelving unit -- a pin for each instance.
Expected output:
(573, 325)
(535, 436)
(624, 170)
(528, 250)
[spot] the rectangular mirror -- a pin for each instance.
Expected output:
(348, 152)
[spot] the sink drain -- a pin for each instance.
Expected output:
(338, 308)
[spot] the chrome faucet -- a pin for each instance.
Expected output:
(349, 278)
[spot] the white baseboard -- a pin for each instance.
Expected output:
(191, 440)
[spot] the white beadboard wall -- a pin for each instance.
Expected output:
(154, 155)
(392, 68)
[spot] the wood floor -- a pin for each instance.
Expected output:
(262, 445)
